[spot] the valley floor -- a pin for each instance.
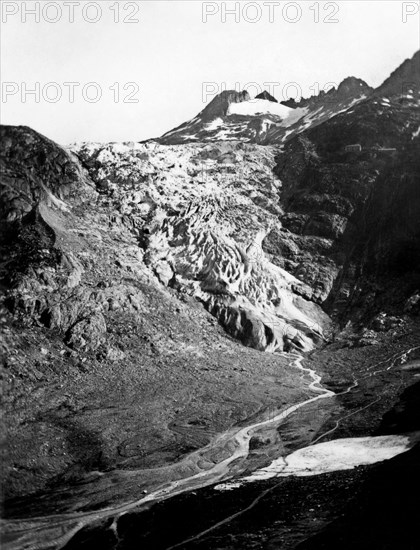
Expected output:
(286, 511)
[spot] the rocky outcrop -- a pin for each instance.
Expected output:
(219, 106)
(267, 96)
(35, 171)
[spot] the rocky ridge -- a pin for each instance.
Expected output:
(258, 121)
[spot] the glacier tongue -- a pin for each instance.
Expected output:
(203, 216)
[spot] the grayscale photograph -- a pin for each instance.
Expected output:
(210, 275)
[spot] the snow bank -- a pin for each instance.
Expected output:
(332, 456)
(340, 454)
(214, 124)
(259, 107)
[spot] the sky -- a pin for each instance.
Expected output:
(128, 71)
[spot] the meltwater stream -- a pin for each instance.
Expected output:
(54, 532)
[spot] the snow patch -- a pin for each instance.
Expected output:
(266, 124)
(256, 107)
(332, 456)
(294, 116)
(287, 134)
(214, 124)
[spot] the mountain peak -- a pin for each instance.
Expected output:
(352, 86)
(267, 96)
(219, 106)
(406, 77)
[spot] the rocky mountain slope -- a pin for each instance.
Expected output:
(350, 191)
(142, 281)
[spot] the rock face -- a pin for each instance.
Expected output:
(219, 106)
(351, 224)
(34, 171)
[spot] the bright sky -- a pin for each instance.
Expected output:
(172, 55)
